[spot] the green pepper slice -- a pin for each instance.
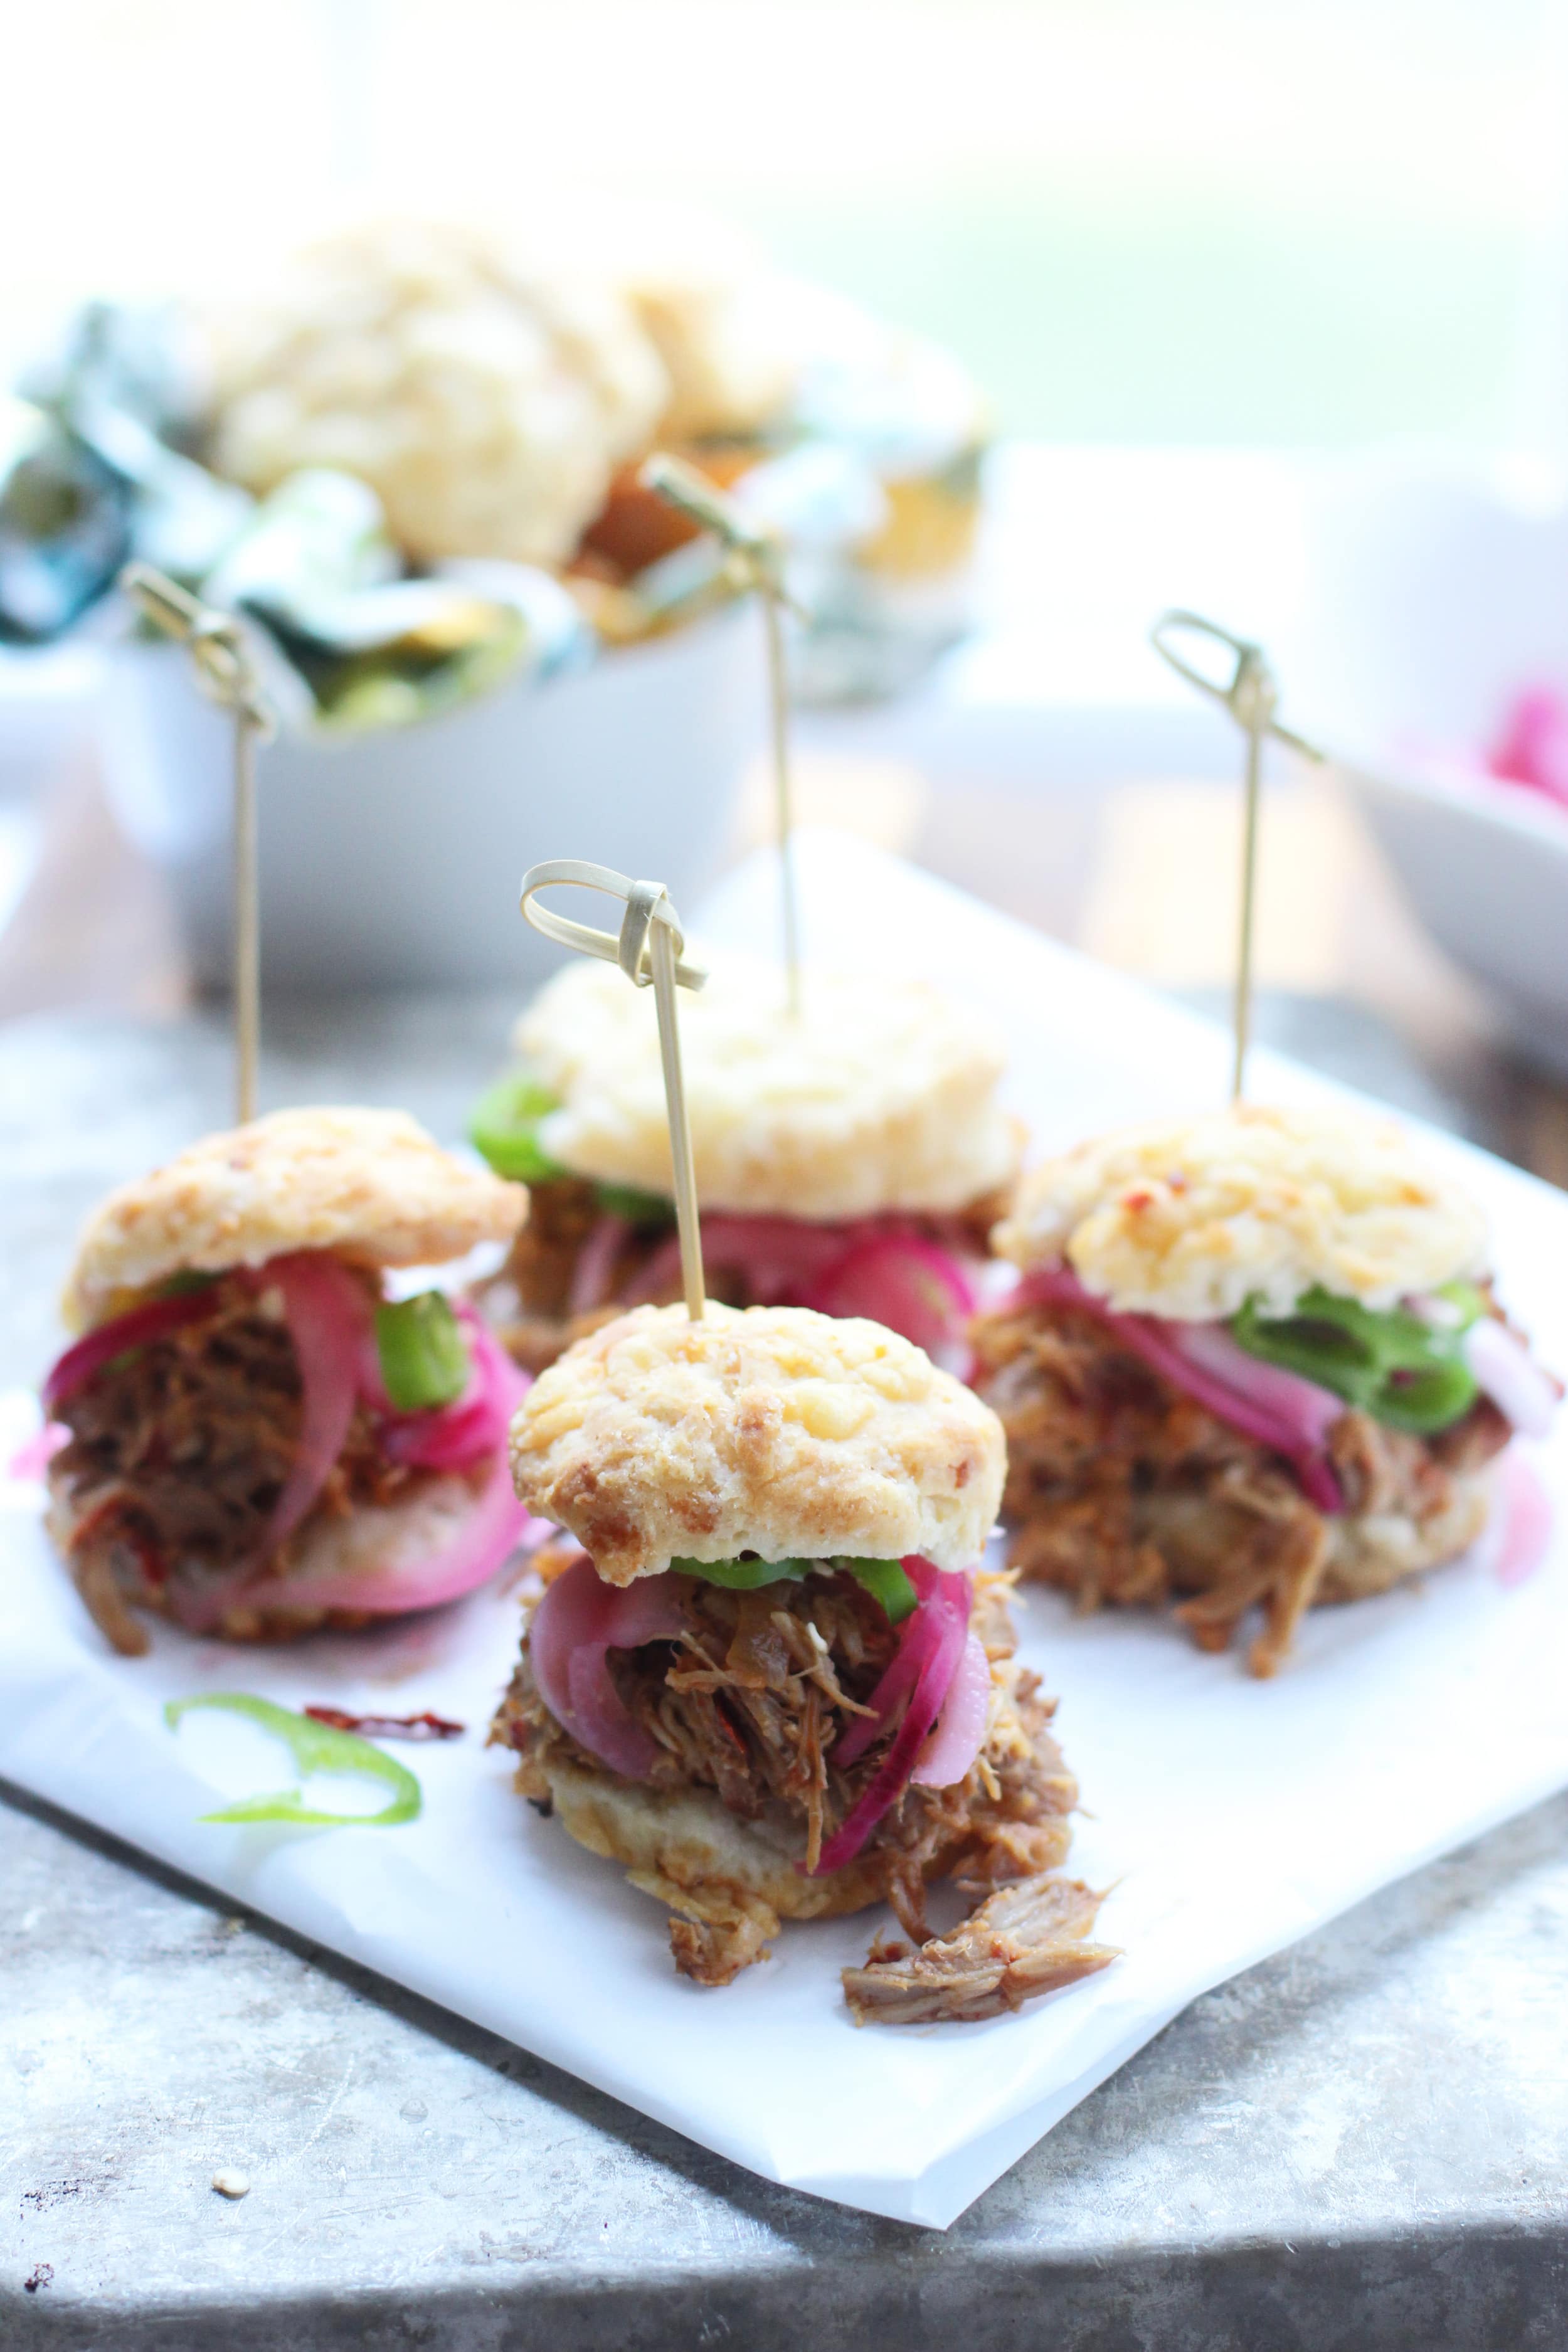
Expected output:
(504, 1126)
(648, 1209)
(884, 1579)
(1405, 1372)
(423, 1354)
(744, 1575)
(181, 1285)
(315, 1748)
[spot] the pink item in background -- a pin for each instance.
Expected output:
(1525, 1508)
(32, 1459)
(1531, 747)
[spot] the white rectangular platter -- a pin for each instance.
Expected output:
(1229, 1817)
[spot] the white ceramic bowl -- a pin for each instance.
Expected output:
(1436, 593)
(1486, 868)
(393, 859)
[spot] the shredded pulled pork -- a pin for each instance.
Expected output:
(714, 1932)
(178, 1453)
(1123, 1490)
(529, 1300)
(1022, 1941)
(750, 1703)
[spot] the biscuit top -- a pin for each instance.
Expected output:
(776, 1432)
(369, 1184)
(881, 1095)
(1189, 1218)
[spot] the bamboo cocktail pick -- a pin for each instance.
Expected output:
(225, 674)
(757, 561)
(650, 950)
(1250, 697)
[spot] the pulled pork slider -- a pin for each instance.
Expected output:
(1254, 1360)
(851, 1159)
(254, 1440)
(773, 1683)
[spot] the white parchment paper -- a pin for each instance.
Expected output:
(1230, 1816)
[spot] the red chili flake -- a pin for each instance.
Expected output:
(153, 1568)
(113, 1505)
(1136, 1201)
(39, 2276)
(722, 1714)
(387, 1726)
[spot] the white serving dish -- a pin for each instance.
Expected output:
(1486, 867)
(392, 859)
(1437, 595)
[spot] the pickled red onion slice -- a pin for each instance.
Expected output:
(580, 1620)
(487, 1535)
(960, 1729)
(596, 1264)
(1295, 1402)
(1505, 1371)
(909, 1285)
(930, 1648)
(1275, 1408)
(1527, 1519)
(896, 1277)
(77, 1366)
(777, 1257)
(328, 1315)
(327, 1312)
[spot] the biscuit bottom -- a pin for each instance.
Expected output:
(1124, 1491)
(729, 1883)
(109, 1572)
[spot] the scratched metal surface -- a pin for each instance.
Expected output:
(1361, 2147)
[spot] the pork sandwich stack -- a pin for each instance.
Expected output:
(254, 1437)
(1255, 1363)
(775, 1683)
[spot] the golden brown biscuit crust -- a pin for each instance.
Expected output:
(1189, 1218)
(775, 1431)
(880, 1096)
(370, 1184)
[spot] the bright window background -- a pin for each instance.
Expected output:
(1287, 222)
